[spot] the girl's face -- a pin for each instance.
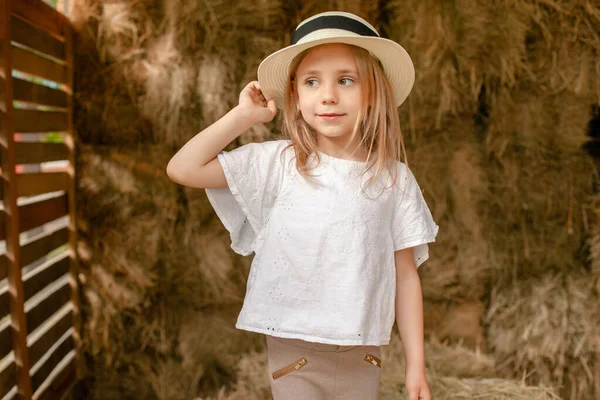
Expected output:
(328, 91)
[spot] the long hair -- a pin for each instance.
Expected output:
(377, 124)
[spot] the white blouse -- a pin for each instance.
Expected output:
(324, 268)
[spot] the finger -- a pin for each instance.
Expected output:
(272, 106)
(426, 394)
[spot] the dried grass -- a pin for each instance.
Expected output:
(550, 328)
(564, 50)
(593, 240)
(448, 166)
(168, 93)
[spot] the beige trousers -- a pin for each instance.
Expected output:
(303, 370)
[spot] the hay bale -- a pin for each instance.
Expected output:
(448, 166)
(168, 95)
(537, 123)
(543, 207)
(593, 240)
(211, 355)
(563, 47)
(456, 322)
(548, 327)
(370, 11)
(542, 179)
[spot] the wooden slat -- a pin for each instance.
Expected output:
(40, 121)
(38, 94)
(43, 276)
(38, 213)
(14, 395)
(42, 182)
(5, 341)
(50, 336)
(43, 245)
(48, 306)
(62, 383)
(39, 152)
(31, 63)
(57, 355)
(30, 36)
(8, 379)
(42, 15)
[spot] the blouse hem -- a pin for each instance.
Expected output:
(316, 339)
(418, 240)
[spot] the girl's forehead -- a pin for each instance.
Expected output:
(326, 56)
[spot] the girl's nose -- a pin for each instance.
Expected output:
(330, 95)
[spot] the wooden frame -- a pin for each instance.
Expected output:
(39, 347)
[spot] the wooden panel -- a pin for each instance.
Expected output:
(48, 366)
(48, 306)
(43, 245)
(38, 94)
(39, 152)
(8, 379)
(5, 341)
(37, 39)
(11, 224)
(42, 15)
(50, 336)
(38, 213)
(43, 276)
(39, 121)
(42, 182)
(62, 382)
(2, 217)
(30, 63)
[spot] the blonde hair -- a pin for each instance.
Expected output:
(377, 124)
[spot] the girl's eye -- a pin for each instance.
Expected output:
(346, 81)
(311, 82)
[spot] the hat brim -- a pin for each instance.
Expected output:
(397, 65)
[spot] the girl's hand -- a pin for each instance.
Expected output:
(416, 385)
(254, 106)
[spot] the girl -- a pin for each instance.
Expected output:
(337, 223)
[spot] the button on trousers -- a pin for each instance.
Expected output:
(303, 370)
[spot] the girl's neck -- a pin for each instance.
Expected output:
(335, 148)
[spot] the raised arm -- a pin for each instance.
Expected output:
(195, 164)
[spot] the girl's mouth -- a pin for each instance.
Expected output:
(329, 116)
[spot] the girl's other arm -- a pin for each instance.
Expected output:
(409, 318)
(195, 164)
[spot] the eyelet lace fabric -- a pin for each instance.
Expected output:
(324, 266)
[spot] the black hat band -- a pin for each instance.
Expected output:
(332, 22)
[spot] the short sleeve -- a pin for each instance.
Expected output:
(254, 173)
(413, 225)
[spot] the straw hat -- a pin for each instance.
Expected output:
(337, 27)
